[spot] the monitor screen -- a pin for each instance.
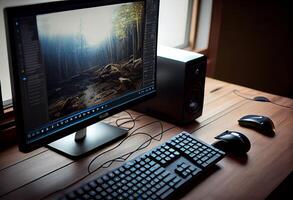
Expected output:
(74, 63)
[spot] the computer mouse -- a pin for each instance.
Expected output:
(261, 99)
(260, 123)
(233, 142)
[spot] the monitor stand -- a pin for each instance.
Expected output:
(88, 139)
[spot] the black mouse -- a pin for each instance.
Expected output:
(233, 142)
(261, 99)
(260, 123)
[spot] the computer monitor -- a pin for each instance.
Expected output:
(74, 63)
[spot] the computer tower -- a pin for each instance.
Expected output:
(180, 86)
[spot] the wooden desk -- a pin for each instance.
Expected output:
(268, 163)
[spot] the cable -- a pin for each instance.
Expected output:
(121, 142)
(131, 119)
(237, 92)
(123, 157)
(148, 142)
(281, 105)
(262, 99)
(139, 148)
(88, 174)
(109, 162)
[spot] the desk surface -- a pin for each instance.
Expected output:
(268, 163)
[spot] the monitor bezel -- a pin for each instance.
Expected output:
(11, 13)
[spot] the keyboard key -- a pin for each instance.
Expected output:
(169, 178)
(148, 176)
(163, 190)
(166, 193)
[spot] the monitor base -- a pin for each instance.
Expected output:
(97, 135)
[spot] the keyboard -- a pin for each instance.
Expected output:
(157, 174)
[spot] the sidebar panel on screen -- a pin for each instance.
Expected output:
(32, 74)
(150, 46)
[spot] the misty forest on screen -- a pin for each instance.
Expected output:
(91, 55)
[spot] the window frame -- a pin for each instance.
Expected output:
(214, 34)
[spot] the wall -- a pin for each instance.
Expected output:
(255, 45)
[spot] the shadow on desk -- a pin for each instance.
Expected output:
(191, 127)
(284, 190)
(199, 179)
(241, 159)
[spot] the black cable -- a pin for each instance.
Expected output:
(119, 119)
(148, 142)
(131, 119)
(89, 173)
(120, 158)
(238, 93)
(125, 156)
(139, 148)
(281, 105)
(120, 143)
(80, 179)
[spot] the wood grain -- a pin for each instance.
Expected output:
(75, 170)
(12, 156)
(270, 160)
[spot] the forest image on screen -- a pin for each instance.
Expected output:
(91, 55)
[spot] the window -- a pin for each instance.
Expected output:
(174, 22)
(185, 23)
(182, 24)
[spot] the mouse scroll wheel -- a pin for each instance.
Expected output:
(235, 133)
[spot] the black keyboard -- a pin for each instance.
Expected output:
(157, 174)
